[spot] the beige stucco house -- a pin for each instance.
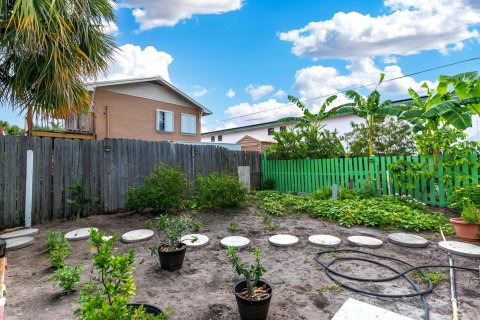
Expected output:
(143, 109)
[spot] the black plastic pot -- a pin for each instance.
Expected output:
(3, 246)
(249, 309)
(172, 260)
(148, 308)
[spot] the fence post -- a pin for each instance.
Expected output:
(28, 189)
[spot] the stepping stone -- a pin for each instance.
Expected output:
(200, 240)
(137, 235)
(19, 233)
(324, 240)
(79, 234)
(363, 241)
(461, 248)
(18, 243)
(407, 240)
(283, 240)
(357, 310)
(235, 241)
(106, 238)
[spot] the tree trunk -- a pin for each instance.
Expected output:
(29, 121)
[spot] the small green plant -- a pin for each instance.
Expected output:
(334, 288)
(173, 227)
(435, 277)
(267, 222)
(149, 224)
(268, 184)
(164, 190)
(112, 285)
(220, 191)
(470, 213)
(79, 200)
(343, 193)
(67, 278)
(58, 249)
(233, 226)
(251, 273)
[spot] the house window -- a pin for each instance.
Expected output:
(271, 131)
(220, 138)
(164, 121)
(189, 124)
(283, 128)
(212, 139)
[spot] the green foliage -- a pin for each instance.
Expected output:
(220, 191)
(163, 190)
(112, 285)
(435, 277)
(391, 137)
(251, 273)
(470, 213)
(233, 226)
(173, 227)
(268, 184)
(80, 201)
(68, 278)
(343, 193)
(13, 130)
(385, 212)
(58, 249)
(267, 222)
(461, 195)
(369, 189)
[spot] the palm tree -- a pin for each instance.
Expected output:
(49, 49)
(369, 108)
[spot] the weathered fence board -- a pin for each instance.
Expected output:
(109, 166)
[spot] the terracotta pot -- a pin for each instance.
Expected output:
(466, 231)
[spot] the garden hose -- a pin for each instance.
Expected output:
(374, 259)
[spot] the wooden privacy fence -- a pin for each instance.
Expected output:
(109, 166)
(308, 175)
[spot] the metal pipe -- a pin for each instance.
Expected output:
(453, 283)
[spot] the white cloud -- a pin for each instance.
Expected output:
(230, 93)
(256, 92)
(410, 25)
(199, 91)
(159, 13)
(131, 61)
(110, 27)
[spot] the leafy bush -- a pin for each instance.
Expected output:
(163, 190)
(369, 189)
(68, 278)
(220, 191)
(268, 184)
(79, 200)
(58, 249)
(459, 196)
(343, 193)
(470, 213)
(173, 227)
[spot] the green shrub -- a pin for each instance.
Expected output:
(343, 193)
(369, 189)
(220, 191)
(58, 249)
(268, 184)
(461, 195)
(163, 190)
(470, 213)
(79, 200)
(68, 278)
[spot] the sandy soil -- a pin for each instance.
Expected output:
(202, 289)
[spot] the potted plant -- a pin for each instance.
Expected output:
(467, 227)
(171, 254)
(252, 294)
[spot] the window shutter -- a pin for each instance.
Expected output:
(169, 121)
(157, 116)
(193, 124)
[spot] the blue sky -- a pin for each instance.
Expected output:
(259, 51)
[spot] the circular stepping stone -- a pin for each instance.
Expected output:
(18, 243)
(19, 233)
(461, 248)
(283, 240)
(79, 234)
(363, 241)
(106, 238)
(137, 235)
(324, 240)
(407, 240)
(195, 240)
(235, 241)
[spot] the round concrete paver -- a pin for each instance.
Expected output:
(79, 234)
(461, 248)
(137, 235)
(363, 241)
(283, 240)
(195, 240)
(324, 240)
(106, 238)
(19, 233)
(407, 240)
(235, 241)
(18, 243)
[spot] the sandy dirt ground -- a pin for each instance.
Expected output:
(202, 289)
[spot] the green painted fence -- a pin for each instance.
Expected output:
(308, 175)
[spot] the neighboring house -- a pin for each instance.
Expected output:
(143, 109)
(253, 143)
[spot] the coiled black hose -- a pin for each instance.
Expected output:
(399, 274)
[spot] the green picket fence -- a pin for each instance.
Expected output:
(308, 175)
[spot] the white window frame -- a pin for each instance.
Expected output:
(157, 111)
(189, 117)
